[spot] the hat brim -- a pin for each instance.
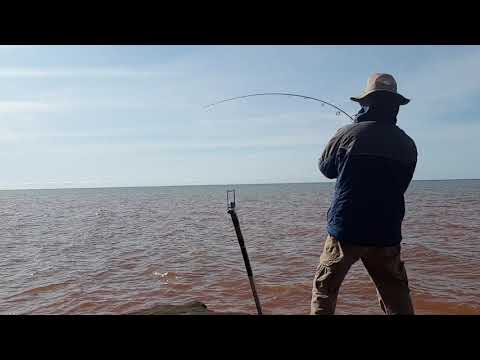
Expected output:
(400, 98)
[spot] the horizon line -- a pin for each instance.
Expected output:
(230, 184)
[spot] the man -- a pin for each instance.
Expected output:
(373, 161)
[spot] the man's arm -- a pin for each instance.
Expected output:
(327, 162)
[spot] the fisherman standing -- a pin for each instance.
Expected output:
(373, 161)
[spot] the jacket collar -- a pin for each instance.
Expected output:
(379, 113)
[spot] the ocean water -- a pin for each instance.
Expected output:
(119, 250)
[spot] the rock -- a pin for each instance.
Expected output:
(191, 308)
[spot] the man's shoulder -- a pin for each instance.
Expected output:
(374, 127)
(373, 132)
(354, 129)
(346, 129)
(406, 136)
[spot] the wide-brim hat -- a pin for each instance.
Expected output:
(381, 83)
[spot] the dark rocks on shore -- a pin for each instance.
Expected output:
(191, 308)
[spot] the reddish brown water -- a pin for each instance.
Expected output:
(114, 251)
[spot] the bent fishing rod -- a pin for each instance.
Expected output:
(323, 102)
(231, 204)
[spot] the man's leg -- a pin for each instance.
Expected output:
(335, 262)
(388, 272)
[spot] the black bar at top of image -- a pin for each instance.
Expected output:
(239, 26)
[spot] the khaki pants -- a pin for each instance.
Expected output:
(384, 266)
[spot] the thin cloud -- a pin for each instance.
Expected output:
(108, 72)
(27, 106)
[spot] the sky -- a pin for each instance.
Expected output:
(96, 116)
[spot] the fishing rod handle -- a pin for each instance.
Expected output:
(241, 242)
(246, 260)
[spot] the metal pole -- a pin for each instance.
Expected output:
(241, 242)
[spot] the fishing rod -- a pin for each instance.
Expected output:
(323, 102)
(241, 242)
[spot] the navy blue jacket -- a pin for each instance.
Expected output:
(373, 161)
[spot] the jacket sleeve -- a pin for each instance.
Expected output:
(327, 162)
